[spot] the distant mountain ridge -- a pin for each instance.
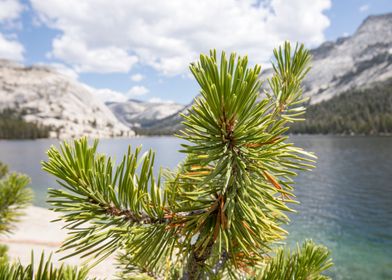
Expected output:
(71, 109)
(349, 63)
(68, 108)
(136, 113)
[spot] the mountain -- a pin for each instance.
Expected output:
(65, 107)
(165, 126)
(135, 113)
(354, 62)
(47, 103)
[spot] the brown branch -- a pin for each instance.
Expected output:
(196, 261)
(130, 216)
(221, 263)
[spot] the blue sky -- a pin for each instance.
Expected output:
(141, 49)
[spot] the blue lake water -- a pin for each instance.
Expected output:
(346, 202)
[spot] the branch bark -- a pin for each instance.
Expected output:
(196, 262)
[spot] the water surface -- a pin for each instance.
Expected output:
(346, 202)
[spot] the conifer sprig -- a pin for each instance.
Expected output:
(14, 197)
(220, 213)
(42, 270)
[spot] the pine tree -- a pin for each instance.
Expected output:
(219, 215)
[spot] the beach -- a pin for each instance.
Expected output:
(36, 232)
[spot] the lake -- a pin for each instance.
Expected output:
(346, 202)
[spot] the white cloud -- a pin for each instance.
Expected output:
(364, 8)
(10, 49)
(137, 77)
(138, 91)
(99, 59)
(111, 36)
(106, 95)
(10, 10)
(159, 100)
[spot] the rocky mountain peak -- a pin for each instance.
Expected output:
(376, 22)
(136, 113)
(352, 61)
(44, 96)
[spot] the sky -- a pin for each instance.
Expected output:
(141, 49)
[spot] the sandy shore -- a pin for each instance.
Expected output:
(36, 232)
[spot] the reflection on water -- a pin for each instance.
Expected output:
(346, 202)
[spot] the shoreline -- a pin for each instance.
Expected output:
(171, 135)
(36, 232)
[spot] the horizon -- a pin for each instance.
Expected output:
(146, 69)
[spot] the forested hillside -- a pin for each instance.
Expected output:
(12, 126)
(367, 111)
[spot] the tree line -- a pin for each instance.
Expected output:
(361, 111)
(13, 126)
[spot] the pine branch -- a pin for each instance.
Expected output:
(308, 262)
(237, 158)
(44, 270)
(14, 197)
(3, 170)
(107, 208)
(220, 213)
